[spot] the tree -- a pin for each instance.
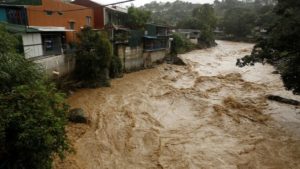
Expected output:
(32, 116)
(93, 58)
(204, 19)
(207, 21)
(169, 13)
(239, 22)
(282, 45)
(180, 44)
(244, 20)
(137, 18)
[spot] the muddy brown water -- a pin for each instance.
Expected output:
(209, 114)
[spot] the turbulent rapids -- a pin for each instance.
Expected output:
(208, 114)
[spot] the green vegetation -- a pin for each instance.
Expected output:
(32, 117)
(93, 58)
(207, 24)
(204, 19)
(170, 13)
(181, 44)
(137, 18)
(244, 20)
(236, 24)
(116, 67)
(281, 45)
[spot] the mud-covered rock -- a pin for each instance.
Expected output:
(178, 61)
(77, 115)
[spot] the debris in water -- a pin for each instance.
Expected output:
(283, 100)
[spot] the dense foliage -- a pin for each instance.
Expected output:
(180, 44)
(32, 116)
(244, 20)
(170, 13)
(93, 58)
(281, 47)
(137, 18)
(234, 22)
(116, 67)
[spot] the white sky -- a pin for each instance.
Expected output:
(142, 2)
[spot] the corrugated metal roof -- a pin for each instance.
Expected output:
(51, 29)
(117, 9)
(150, 37)
(18, 28)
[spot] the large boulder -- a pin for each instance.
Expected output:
(77, 115)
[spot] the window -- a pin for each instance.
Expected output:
(72, 25)
(16, 15)
(52, 44)
(49, 13)
(88, 20)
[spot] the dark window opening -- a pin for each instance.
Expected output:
(52, 44)
(16, 15)
(49, 13)
(72, 25)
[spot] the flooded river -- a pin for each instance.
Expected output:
(209, 114)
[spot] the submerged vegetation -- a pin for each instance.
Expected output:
(32, 116)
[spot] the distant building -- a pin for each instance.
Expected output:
(192, 34)
(156, 37)
(145, 47)
(104, 15)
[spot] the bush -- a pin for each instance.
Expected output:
(93, 57)
(32, 124)
(116, 67)
(181, 44)
(32, 117)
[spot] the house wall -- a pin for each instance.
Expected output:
(69, 13)
(98, 11)
(33, 50)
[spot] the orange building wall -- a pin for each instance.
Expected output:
(70, 12)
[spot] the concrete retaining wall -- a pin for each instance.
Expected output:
(60, 63)
(137, 59)
(132, 58)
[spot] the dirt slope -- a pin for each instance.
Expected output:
(209, 114)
